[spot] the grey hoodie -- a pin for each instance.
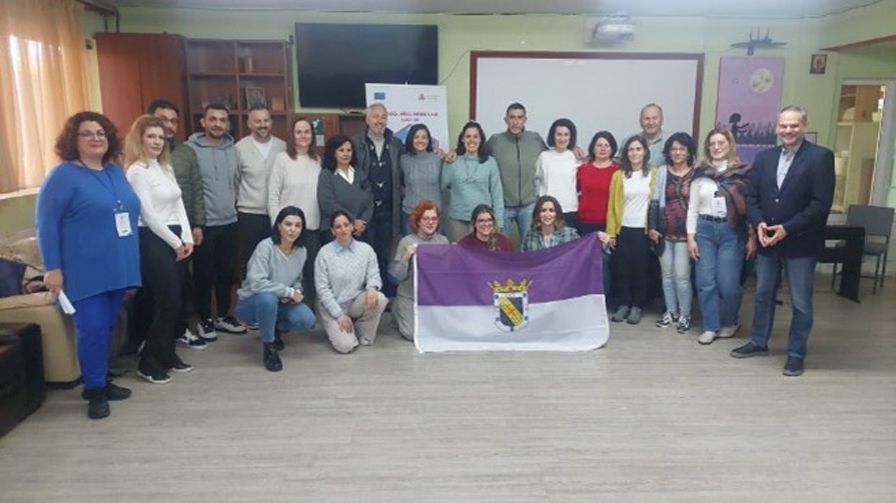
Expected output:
(217, 163)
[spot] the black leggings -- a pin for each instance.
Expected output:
(631, 266)
(163, 281)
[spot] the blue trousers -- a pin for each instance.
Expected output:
(722, 249)
(95, 319)
(272, 316)
(800, 277)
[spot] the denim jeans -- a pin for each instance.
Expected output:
(800, 276)
(522, 215)
(676, 266)
(719, 291)
(272, 316)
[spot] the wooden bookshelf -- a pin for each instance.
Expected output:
(220, 71)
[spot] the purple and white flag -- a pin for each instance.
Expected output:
(473, 300)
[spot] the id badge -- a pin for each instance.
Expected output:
(123, 224)
(718, 206)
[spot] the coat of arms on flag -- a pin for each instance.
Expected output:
(511, 304)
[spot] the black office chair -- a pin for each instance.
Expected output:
(877, 221)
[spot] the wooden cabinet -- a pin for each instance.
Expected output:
(855, 148)
(136, 68)
(237, 74)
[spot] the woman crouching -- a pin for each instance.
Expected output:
(347, 279)
(271, 295)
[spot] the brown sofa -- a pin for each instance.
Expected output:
(57, 330)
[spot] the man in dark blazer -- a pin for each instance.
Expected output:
(790, 197)
(377, 151)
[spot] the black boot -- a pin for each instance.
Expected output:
(278, 341)
(270, 358)
(98, 405)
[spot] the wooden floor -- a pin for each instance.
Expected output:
(651, 417)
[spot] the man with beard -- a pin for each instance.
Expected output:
(377, 152)
(189, 179)
(255, 156)
(216, 257)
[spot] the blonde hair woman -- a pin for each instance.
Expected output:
(718, 235)
(165, 241)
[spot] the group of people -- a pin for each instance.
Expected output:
(335, 234)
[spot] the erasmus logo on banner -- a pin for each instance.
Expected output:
(511, 304)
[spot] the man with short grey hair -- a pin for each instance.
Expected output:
(651, 120)
(377, 151)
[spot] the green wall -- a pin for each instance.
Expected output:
(459, 34)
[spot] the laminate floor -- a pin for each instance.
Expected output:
(653, 416)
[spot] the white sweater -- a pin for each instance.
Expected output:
(294, 183)
(253, 171)
(556, 176)
(160, 202)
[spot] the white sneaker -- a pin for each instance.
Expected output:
(707, 337)
(191, 341)
(230, 325)
(729, 331)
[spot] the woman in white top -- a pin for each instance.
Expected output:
(630, 190)
(293, 182)
(718, 235)
(556, 169)
(165, 241)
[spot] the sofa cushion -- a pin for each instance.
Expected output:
(27, 300)
(24, 251)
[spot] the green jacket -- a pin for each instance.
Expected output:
(189, 179)
(516, 157)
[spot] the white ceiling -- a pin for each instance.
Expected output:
(710, 8)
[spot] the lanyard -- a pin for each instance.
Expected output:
(105, 180)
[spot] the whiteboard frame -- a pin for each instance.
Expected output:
(476, 56)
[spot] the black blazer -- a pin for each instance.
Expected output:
(802, 204)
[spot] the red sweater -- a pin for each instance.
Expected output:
(502, 244)
(594, 192)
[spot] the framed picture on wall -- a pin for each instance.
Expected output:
(819, 64)
(812, 137)
(255, 96)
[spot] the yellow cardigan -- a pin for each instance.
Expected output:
(617, 200)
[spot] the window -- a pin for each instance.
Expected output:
(43, 82)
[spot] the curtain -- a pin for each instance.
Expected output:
(43, 81)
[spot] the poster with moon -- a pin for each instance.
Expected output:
(750, 89)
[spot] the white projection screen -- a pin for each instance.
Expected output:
(597, 91)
